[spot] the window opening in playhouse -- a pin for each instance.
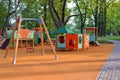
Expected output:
(80, 39)
(61, 39)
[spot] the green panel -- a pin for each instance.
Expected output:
(30, 35)
(9, 34)
(12, 45)
(35, 40)
(80, 40)
(92, 35)
(15, 35)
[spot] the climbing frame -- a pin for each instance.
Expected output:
(17, 27)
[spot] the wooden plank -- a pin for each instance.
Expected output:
(42, 40)
(12, 37)
(17, 41)
(56, 57)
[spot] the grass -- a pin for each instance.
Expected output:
(107, 38)
(114, 37)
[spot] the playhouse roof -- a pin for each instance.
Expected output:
(64, 30)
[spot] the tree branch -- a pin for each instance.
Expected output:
(16, 7)
(70, 17)
(63, 11)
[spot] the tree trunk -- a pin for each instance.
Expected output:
(81, 15)
(63, 11)
(9, 13)
(45, 11)
(104, 12)
(96, 14)
(54, 14)
(5, 24)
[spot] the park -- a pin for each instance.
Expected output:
(59, 40)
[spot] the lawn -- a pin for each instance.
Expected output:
(108, 38)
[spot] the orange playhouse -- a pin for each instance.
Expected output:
(68, 40)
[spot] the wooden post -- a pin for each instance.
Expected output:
(12, 37)
(56, 57)
(17, 41)
(42, 39)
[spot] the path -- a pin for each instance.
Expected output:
(111, 69)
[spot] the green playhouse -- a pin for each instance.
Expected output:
(19, 34)
(25, 34)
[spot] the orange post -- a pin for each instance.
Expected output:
(42, 40)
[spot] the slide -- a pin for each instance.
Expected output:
(97, 43)
(5, 44)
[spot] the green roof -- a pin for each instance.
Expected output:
(63, 30)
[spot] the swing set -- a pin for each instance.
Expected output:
(17, 27)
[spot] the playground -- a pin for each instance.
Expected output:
(73, 56)
(72, 65)
(59, 40)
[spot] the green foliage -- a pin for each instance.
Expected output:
(2, 13)
(38, 8)
(85, 12)
(108, 37)
(113, 18)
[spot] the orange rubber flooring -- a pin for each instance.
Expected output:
(72, 65)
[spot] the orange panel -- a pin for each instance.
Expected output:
(86, 41)
(71, 41)
(24, 33)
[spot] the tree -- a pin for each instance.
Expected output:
(82, 7)
(58, 21)
(2, 13)
(99, 11)
(36, 9)
(10, 10)
(113, 14)
(103, 6)
(59, 12)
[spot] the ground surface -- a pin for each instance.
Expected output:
(72, 65)
(111, 68)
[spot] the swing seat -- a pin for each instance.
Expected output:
(29, 50)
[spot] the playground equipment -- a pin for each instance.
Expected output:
(37, 35)
(17, 27)
(6, 42)
(93, 32)
(67, 39)
(25, 35)
(85, 41)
